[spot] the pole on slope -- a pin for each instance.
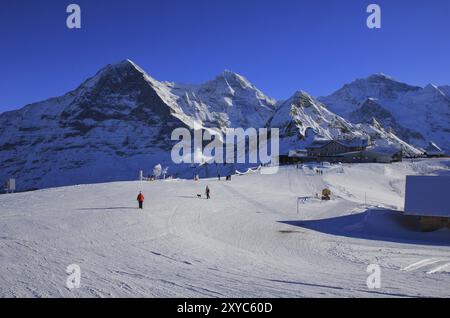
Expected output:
(300, 199)
(141, 179)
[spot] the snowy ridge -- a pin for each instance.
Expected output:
(445, 89)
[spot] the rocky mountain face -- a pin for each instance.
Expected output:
(112, 125)
(418, 115)
(120, 121)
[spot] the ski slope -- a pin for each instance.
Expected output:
(247, 241)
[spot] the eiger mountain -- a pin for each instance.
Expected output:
(120, 121)
(416, 114)
(107, 129)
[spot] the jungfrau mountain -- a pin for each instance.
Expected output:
(419, 115)
(120, 121)
(303, 119)
(370, 111)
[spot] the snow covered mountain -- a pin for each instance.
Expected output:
(116, 123)
(417, 114)
(120, 121)
(302, 119)
(229, 100)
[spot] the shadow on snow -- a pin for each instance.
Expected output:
(378, 225)
(110, 208)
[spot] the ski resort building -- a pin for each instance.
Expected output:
(323, 148)
(346, 151)
(294, 156)
(334, 151)
(372, 155)
(426, 197)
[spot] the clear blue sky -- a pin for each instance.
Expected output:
(279, 45)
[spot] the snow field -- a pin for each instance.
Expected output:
(247, 241)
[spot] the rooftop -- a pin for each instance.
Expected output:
(427, 196)
(357, 142)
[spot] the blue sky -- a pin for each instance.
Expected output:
(279, 45)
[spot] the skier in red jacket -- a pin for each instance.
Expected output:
(140, 199)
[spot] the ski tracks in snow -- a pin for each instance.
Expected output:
(430, 265)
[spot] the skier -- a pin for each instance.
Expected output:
(207, 192)
(140, 199)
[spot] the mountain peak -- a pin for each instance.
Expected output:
(305, 98)
(115, 73)
(234, 79)
(434, 89)
(228, 72)
(127, 64)
(431, 87)
(380, 76)
(301, 93)
(124, 62)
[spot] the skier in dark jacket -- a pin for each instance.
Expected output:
(140, 199)
(207, 192)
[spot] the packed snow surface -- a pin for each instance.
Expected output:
(247, 241)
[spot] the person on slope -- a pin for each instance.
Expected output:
(140, 199)
(207, 192)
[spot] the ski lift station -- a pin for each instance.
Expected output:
(427, 197)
